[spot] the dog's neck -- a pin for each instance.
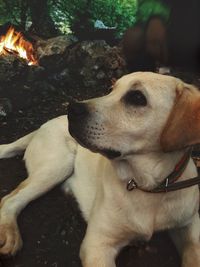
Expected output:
(150, 169)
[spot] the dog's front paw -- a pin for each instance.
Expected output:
(10, 239)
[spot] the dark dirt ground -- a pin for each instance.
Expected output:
(52, 227)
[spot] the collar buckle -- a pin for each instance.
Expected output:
(131, 185)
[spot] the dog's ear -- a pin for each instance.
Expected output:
(183, 126)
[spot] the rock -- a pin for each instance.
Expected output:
(93, 64)
(35, 73)
(5, 107)
(60, 78)
(12, 68)
(52, 52)
(64, 67)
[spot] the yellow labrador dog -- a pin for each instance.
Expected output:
(133, 137)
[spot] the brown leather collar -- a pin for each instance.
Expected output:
(169, 184)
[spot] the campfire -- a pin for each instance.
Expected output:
(13, 42)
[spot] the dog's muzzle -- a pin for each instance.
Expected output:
(78, 115)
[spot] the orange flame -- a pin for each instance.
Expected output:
(14, 43)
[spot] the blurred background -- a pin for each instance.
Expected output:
(168, 30)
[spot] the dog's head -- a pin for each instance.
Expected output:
(144, 112)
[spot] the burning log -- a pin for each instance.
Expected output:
(13, 42)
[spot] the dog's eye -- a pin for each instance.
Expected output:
(135, 98)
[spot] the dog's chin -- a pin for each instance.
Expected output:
(108, 153)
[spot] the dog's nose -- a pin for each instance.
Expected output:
(77, 109)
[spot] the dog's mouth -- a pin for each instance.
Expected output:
(107, 152)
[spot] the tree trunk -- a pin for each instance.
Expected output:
(42, 23)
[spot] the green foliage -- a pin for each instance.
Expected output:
(14, 11)
(81, 14)
(118, 13)
(147, 8)
(7, 13)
